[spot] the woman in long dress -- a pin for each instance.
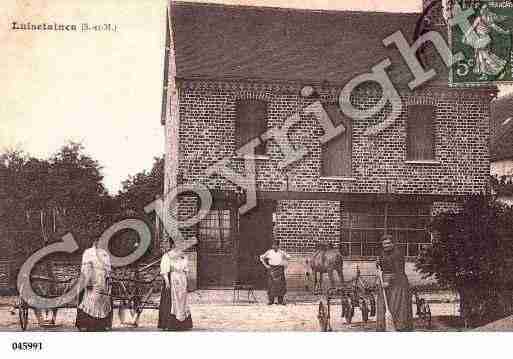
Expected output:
(397, 289)
(94, 312)
(479, 37)
(174, 311)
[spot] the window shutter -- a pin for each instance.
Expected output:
(337, 153)
(251, 122)
(420, 133)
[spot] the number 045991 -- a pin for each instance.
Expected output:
(26, 346)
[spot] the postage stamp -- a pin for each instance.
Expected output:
(486, 45)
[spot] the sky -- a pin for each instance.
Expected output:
(100, 88)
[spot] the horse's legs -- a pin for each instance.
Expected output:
(39, 315)
(340, 272)
(320, 281)
(331, 278)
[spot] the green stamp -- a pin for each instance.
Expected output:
(486, 46)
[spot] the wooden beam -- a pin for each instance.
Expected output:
(231, 196)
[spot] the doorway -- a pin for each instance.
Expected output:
(255, 237)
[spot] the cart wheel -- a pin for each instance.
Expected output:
(143, 301)
(372, 301)
(365, 310)
(323, 317)
(23, 311)
(134, 304)
(429, 316)
(426, 314)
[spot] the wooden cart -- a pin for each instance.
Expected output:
(129, 295)
(356, 293)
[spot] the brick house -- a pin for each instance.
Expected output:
(501, 143)
(233, 72)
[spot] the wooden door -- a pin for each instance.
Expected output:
(255, 237)
(217, 249)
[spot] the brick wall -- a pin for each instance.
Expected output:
(207, 129)
(206, 135)
(5, 274)
(301, 224)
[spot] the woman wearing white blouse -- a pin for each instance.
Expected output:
(94, 312)
(174, 311)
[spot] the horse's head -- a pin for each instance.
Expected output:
(308, 266)
(321, 246)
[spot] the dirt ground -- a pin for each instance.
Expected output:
(215, 311)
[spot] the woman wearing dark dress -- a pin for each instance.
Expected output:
(174, 311)
(397, 289)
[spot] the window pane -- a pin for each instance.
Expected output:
(401, 236)
(425, 210)
(418, 237)
(356, 236)
(420, 134)
(356, 249)
(363, 228)
(423, 247)
(337, 153)
(402, 248)
(251, 122)
(413, 249)
(367, 221)
(371, 236)
(370, 249)
(215, 231)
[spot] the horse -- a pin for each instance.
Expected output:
(326, 260)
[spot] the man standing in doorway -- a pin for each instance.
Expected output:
(275, 260)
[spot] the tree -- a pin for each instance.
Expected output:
(471, 254)
(42, 199)
(141, 189)
(56, 195)
(137, 192)
(501, 186)
(77, 193)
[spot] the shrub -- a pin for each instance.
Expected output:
(471, 254)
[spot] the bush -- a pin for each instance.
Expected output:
(471, 254)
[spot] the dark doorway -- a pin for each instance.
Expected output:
(255, 237)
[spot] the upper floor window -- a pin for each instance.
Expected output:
(336, 154)
(251, 122)
(420, 133)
